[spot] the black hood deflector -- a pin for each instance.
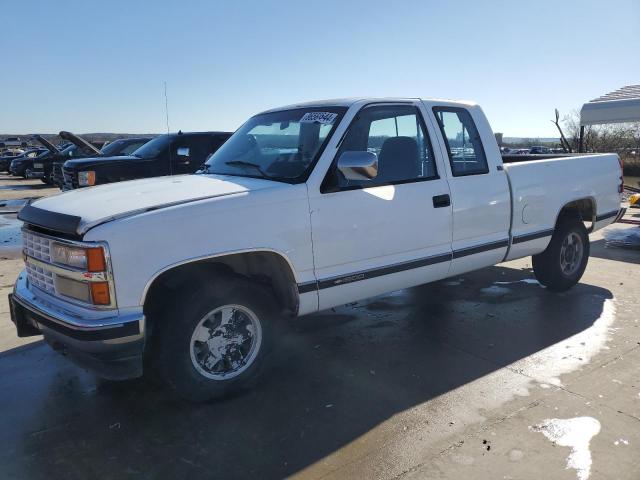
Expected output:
(57, 222)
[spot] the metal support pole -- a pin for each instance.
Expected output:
(581, 143)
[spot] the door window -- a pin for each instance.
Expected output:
(466, 154)
(397, 135)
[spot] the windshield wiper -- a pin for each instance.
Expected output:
(242, 163)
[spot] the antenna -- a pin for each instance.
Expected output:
(166, 109)
(166, 105)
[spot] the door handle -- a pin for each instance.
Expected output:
(440, 201)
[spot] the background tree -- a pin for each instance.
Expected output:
(620, 138)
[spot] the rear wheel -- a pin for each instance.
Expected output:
(215, 340)
(562, 264)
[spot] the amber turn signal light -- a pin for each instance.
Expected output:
(100, 293)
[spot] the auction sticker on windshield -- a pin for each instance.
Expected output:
(326, 118)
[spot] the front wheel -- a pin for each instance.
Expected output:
(215, 340)
(562, 264)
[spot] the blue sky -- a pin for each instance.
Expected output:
(90, 66)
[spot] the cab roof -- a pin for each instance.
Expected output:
(348, 102)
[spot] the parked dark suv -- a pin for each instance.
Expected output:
(21, 161)
(169, 154)
(122, 146)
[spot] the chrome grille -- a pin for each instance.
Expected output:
(68, 182)
(57, 175)
(36, 246)
(40, 277)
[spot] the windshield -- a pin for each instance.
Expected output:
(112, 148)
(279, 145)
(69, 151)
(154, 147)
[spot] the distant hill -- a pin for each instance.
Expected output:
(110, 137)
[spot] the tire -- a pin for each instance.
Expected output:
(190, 337)
(562, 264)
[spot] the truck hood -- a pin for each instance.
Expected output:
(80, 142)
(77, 211)
(46, 143)
(84, 163)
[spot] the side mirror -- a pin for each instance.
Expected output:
(183, 151)
(358, 165)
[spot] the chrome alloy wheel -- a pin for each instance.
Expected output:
(571, 253)
(226, 342)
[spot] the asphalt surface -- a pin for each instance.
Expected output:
(487, 375)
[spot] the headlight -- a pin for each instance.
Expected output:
(89, 259)
(87, 179)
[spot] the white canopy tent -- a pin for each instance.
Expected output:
(620, 106)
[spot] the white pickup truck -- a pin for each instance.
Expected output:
(306, 207)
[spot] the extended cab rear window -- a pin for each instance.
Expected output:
(464, 146)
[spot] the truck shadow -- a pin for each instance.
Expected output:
(336, 376)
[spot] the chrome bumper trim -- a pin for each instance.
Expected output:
(75, 318)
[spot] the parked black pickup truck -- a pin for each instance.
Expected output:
(169, 154)
(122, 146)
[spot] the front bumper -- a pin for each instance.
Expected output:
(35, 174)
(110, 346)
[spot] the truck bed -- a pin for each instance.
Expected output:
(541, 184)
(527, 158)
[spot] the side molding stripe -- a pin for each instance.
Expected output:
(378, 272)
(463, 252)
(532, 236)
(604, 216)
(307, 287)
(398, 267)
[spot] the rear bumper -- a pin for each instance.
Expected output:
(111, 347)
(620, 215)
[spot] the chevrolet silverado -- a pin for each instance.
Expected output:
(304, 208)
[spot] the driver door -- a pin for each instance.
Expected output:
(388, 233)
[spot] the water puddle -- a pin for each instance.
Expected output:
(528, 281)
(13, 205)
(18, 187)
(495, 291)
(10, 233)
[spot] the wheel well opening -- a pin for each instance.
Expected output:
(583, 208)
(268, 269)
